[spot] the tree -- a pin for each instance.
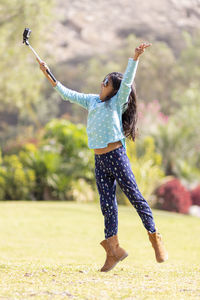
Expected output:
(20, 80)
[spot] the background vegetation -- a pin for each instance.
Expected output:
(44, 153)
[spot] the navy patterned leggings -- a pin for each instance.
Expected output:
(112, 166)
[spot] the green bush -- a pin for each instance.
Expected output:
(46, 165)
(71, 142)
(16, 181)
(81, 191)
(178, 143)
(61, 159)
(2, 179)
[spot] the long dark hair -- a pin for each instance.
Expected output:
(129, 117)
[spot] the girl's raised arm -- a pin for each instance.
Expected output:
(127, 81)
(66, 94)
(129, 75)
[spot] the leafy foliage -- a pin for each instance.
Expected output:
(71, 140)
(58, 166)
(16, 181)
(20, 81)
(178, 142)
(173, 196)
(195, 195)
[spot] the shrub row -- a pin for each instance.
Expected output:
(56, 167)
(173, 196)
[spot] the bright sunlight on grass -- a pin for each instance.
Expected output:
(51, 250)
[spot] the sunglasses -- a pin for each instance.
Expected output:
(105, 82)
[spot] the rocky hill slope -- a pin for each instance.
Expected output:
(84, 28)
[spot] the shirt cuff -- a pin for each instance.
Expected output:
(131, 60)
(56, 87)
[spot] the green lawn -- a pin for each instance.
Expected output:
(50, 250)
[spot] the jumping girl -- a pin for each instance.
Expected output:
(112, 118)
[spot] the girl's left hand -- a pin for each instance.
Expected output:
(139, 50)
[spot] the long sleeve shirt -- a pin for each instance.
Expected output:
(104, 122)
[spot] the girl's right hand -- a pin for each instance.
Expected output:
(43, 66)
(139, 50)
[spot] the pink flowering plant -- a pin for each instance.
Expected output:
(150, 117)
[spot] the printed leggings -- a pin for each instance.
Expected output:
(109, 168)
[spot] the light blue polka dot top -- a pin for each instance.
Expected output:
(104, 124)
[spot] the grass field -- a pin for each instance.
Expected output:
(50, 250)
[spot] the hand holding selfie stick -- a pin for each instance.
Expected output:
(26, 36)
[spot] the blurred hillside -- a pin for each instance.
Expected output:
(83, 28)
